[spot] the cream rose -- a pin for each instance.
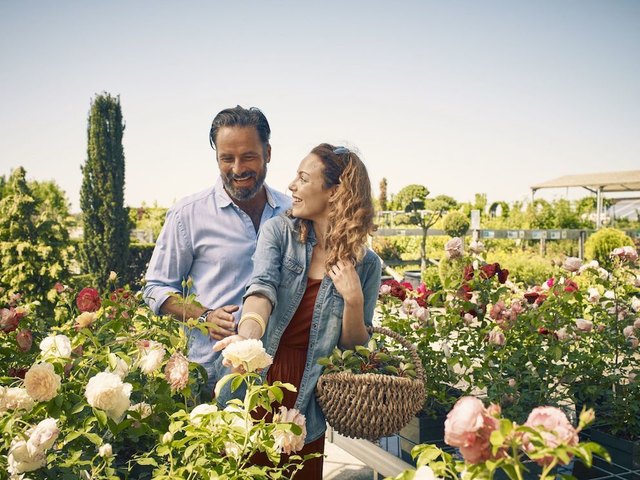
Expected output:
(15, 398)
(85, 319)
(635, 304)
(204, 409)
(107, 392)
(118, 366)
(56, 346)
(42, 382)
(454, 247)
(177, 372)
(150, 356)
(21, 461)
(249, 354)
(43, 436)
(286, 440)
(584, 325)
(143, 409)
(105, 451)
(572, 264)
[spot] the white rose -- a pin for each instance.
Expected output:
(285, 440)
(15, 398)
(151, 355)
(143, 409)
(56, 346)
(424, 473)
(584, 325)
(20, 460)
(43, 436)
(201, 410)
(107, 392)
(105, 451)
(118, 366)
(572, 264)
(454, 247)
(247, 353)
(610, 294)
(594, 295)
(42, 382)
(113, 276)
(167, 437)
(476, 246)
(635, 304)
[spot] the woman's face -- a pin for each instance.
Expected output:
(310, 198)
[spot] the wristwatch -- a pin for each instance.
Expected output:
(204, 315)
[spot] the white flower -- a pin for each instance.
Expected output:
(497, 337)
(201, 410)
(232, 449)
(85, 319)
(602, 273)
(628, 331)
(15, 398)
(286, 440)
(594, 295)
(112, 276)
(177, 372)
(421, 314)
(610, 294)
(118, 366)
(56, 346)
(20, 460)
(151, 355)
(424, 473)
(107, 392)
(635, 304)
(237, 418)
(167, 437)
(454, 247)
(43, 436)
(249, 354)
(143, 409)
(592, 264)
(562, 334)
(42, 382)
(105, 451)
(572, 264)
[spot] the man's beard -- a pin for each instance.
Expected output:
(243, 194)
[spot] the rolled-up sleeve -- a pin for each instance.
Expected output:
(267, 262)
(170, 263)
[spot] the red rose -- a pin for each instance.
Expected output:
(467, 273)
(489, 270)
(17, 372)
(24, 340)
(398, 290)
(570, 286)
(59, 287)
(543, 331)
(88, 300)
(464, 292)
(503, 274)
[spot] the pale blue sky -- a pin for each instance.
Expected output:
(461, 96)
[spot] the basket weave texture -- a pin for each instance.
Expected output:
(372, 405)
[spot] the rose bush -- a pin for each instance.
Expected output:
(109, 394)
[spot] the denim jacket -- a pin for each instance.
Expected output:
(281, 263)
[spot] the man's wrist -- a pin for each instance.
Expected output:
(203, 316)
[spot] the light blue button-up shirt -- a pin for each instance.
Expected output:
(209, 238)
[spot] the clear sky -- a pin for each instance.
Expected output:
(460, 96)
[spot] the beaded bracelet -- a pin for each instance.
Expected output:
(256, 318)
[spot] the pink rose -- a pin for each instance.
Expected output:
(628, 331)
(626, 253)
(636, 323)
(497, 337)
(468, 426)
(554, 428)
(9, 318)
(88, 300)
(177, 372)
(572, 264)
(384, 289)
(454, 248)
(24, 340)
(584, 325)
(633, 341)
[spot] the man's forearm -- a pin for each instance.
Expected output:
(179, 310)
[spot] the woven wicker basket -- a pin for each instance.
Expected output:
(372, 405)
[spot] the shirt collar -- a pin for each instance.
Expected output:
(224, 200)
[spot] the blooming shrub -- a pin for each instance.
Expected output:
(108, 393)
(489, 443)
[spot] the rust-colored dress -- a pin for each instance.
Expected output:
(288, 366)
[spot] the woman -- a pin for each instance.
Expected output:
(314, 283)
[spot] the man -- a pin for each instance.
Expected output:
(211, 236)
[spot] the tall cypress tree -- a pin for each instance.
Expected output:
(105, 219)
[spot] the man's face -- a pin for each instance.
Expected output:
(242, 161)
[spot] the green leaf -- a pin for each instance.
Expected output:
(146, 461)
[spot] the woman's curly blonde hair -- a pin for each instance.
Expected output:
(350, 207)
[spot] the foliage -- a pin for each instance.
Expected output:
(34, 245)
(118, 399)
(375, 357)
(526, 267)
(105, 221)
(148, 218)
(382, 197)
(407, 195)
(139, 257)
(599, 245)
(455, 224)
(450, 271)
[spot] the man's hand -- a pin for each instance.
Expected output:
(224, 321)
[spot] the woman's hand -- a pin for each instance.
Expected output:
(347, 282)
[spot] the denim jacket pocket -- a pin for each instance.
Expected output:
(292, 265)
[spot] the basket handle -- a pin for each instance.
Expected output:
(406, 344)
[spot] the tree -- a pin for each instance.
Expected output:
(34, 244)
(411, 197)
(382, 199)
(105, 219)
